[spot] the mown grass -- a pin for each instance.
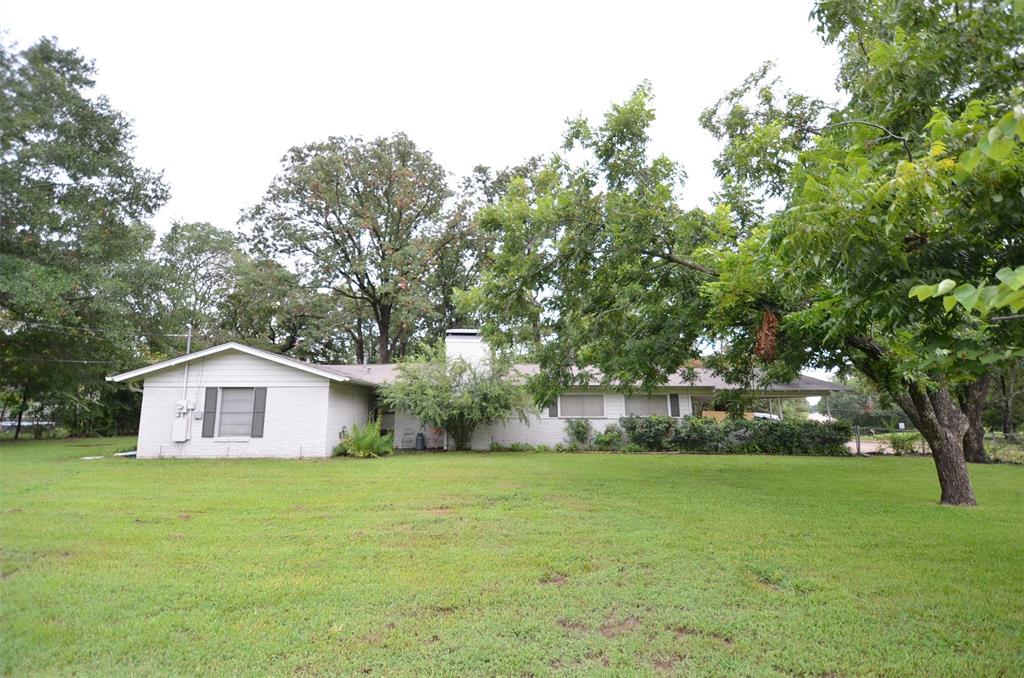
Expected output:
(508, 564)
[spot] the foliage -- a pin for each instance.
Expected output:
(364, 219)
(696, 434)
(611, 438)
(759, 436)
(73, 265)
(456, 396)
(732, 401)
(577, 275)
(579, 431)
(862, 404)
(828, 216)
(365, 441)
(904, 443)
(519, 447)
(983, 300)
(1005, 408)
(650, 433)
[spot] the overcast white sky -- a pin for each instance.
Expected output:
(219, 92)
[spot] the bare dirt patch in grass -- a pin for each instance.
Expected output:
(668, 664)
(683, 632)
(613, 629)
(553, 580)
(570, 625)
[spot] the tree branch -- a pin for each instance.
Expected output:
(889, 134)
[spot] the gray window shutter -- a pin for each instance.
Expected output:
(210, 412)
(553, 409)
(673, 404)
(259, 408)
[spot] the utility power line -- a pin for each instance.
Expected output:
(89, 329)
(55, 360)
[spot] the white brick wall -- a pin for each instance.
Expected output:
(346, 405)
(540, 429)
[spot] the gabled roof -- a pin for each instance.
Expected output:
(319, 370)
(375, 375)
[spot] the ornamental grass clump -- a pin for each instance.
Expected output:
(366, 441)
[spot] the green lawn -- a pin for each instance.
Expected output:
(509, 564)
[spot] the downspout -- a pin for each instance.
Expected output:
(184, 385)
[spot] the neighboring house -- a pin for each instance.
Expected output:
(235, 401)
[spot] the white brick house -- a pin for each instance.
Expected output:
(235, 401)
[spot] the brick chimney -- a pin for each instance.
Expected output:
(466, 344)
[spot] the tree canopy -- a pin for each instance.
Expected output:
(72, 239)
(828, 216)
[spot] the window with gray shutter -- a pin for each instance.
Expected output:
(210, 412)
(673, 404)
(553, 409)
(259, 408)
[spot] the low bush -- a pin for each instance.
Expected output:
(632, 448)
(366, 441)
(611, 438)
(693, 434)
(697, 434)
(650, 433)
(517, 447)
(579, 431)
(904, 443)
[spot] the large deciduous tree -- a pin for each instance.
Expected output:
(596, 265)
(361, 218)
(72, 245)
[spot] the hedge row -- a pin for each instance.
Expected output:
(760, 436)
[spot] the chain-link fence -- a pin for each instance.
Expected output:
(880, 440)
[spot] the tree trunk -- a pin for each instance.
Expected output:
(935, 412)
(384, 336)
(461, 433)
(973, 397)
(943, 425)
(21, 411)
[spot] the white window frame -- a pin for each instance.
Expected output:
(220, 420)
(668, 405)
(604, 406)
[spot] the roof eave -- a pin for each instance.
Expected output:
(142, 372)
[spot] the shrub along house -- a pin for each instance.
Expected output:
(232, 400)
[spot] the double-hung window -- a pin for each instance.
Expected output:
(231, 412)
(235, 412)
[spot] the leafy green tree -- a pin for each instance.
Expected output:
(197, 261)
(828, 216)
(359, 217)
(907, 182)
(584, 271)
(72, 245)
(457, 396)
(458, 253)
